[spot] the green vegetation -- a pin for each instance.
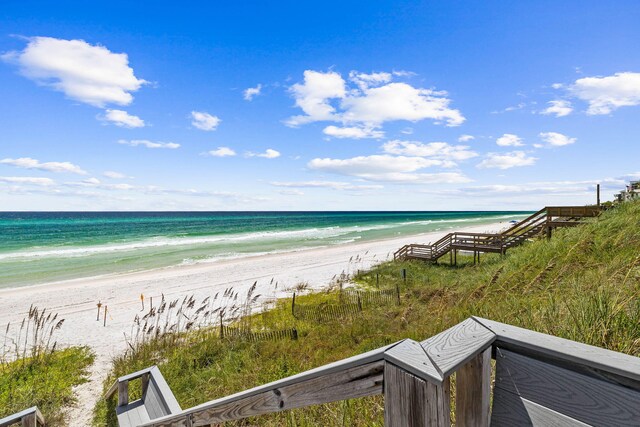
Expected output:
(583, 284)
(33, 372)
(45, 381)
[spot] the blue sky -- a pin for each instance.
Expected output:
(316, 106)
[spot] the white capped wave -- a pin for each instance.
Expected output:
(258, 237)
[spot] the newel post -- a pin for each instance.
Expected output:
(412, 401)
(473, 388)
(417, 378)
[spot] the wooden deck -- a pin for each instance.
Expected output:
(543, 221)
(540, 380)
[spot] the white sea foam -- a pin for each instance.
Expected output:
(264, 237)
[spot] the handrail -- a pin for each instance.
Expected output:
(465, 349)
(533, 224)
(28, 417)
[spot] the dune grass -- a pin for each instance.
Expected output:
(46, 381)
(35, 372)
(583, 284)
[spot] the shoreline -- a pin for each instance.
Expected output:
(75, 300)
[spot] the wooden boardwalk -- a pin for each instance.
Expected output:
(543, 221)
(540, 380)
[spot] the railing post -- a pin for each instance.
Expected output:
(29, 420)
(473, 387)
(123, 393)
(411, 401)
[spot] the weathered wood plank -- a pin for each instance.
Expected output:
(473, 388)
(376, 355)
(29, 414)
(511, 410)
(410, 356)
(123, 393)
(171, 405)
(457, 345)
(606, 364)
(29, 420)
(581, 397)
(353, 383)
(411, 401)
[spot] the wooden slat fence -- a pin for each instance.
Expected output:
(354, 301)
(252, 336)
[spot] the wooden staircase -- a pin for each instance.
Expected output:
(545, 220)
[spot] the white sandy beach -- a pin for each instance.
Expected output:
(76, 300)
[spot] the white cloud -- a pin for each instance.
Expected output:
(365, 81)
(29, 163)
(222, 152)
(27, 180)
(369, 103)
(114, 175)
(252, 92)
(366, 165)
(87, 73)
(556, 139)
(399, 101)
(204, 121)
(466, 138)
(335, 185)
(606, 94)
(509, 140)
(91, 181)
(420, 178)
(507, 161)
(268, 154)
(435, 150)
(291, 192)
(559, 107)
(386, 168)
(553, 188)
(314, 94)
(149, 144)
(123, 119)
(352, 132)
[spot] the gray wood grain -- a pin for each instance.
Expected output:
(123, 393)
(511, 410)
(410, 356)
(473, 388)
(132, 414)
(457, 345)
(352, 383)
(376, 355)
(411, 401)
(165, 395)
(583, 398)
(603, 361)
(31, 416)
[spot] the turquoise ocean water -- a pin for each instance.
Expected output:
(40, 247)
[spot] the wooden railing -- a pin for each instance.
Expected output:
(545, 219)
(540, 380)
(28, 418)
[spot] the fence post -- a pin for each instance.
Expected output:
(359, 303)
(473, 386)
(293, 305)
(398, 293)
(221, 327)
